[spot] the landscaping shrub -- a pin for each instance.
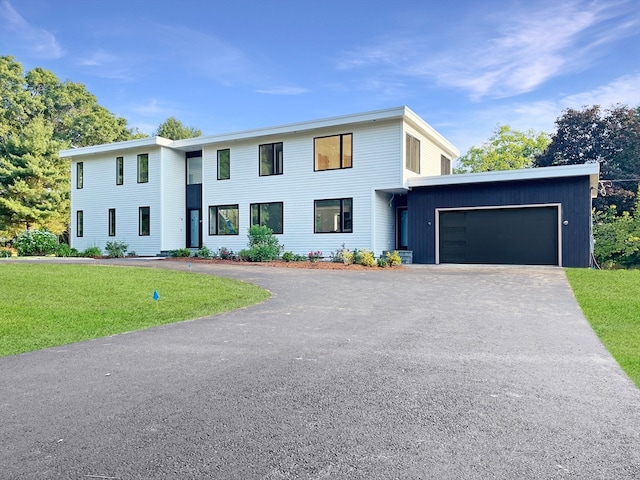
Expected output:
(5, 252)
(204, 252)
(288, 256)
(225, 254)
(263, 245)
(116, 249)
(92, 252)
(382, 262)
(314, 256)
(393, 258)
(35, 242)
(65, 250)
(365, 257)
(342, 255)
(181, 252)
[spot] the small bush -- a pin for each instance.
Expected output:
(181, 252)
(314, 256)
(365, 257)
(5, 252)
(92, 252)
(393, 258)
(263, 245)
(204, 252)
(342, 255)
(225, 254)
(116, 249)
(65, 250)
(35, 242)
(288, 256)
(382, 263)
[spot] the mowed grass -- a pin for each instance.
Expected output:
(44, 305)
(610, 299)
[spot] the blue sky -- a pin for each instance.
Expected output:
(464, 66)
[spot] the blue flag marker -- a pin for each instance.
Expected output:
(156, 295)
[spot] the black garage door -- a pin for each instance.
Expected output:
(516, 236)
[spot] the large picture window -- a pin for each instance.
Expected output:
(119, 170)
(334, 152)
(412, 154)
(270, 159)
(79, 175)
(224, 164)
(79, 223)
(333, 216)
(223, 220)
(143, 168)
(144, 221)
(269, 214)
(112, 222)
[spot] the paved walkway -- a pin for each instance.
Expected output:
(437, 372)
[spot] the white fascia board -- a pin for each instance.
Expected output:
(417, 122)
(590, 169)
(116, 146)
(378, 115)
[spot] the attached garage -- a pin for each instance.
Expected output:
(516, 235)
(534, 216)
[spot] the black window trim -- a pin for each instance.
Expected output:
(79, 223)
(275, 160)
(139, 157)
(260, 220)
(237, 206)
(140, 233)
(341, 167)
(342, 230)
(119, 170)
(79, 175)
(112, 222)
(218, 163)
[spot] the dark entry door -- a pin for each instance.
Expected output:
(516, 236)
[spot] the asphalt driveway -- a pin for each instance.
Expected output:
(437, 372)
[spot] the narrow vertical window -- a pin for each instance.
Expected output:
(79, 175)
(412, 154)
(224, 164)
(144, 221)
(271, 159)
(194, 169)
(143, 168)
(112, 222)
(445, 165)
(119, 170)
(79, 223)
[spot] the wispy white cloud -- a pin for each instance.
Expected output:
(283, 90)
(41, 42)
(520, 50)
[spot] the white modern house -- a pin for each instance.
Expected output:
(317, 184)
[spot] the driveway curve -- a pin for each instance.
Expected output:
(439, 372)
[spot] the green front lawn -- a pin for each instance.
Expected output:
(610, 299)
(44, 305)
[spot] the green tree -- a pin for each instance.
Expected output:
(617, 237)
(610, 137)
(173, 129)
(39, 115)
(506, 149)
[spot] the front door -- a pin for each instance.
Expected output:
(193, 236)
(402, 228)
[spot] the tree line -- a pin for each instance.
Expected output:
(41, 115)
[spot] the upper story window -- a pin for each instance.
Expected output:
(333, 152)
(194, 168)
(445, 165)
(269, 214)
(412, 153)
(143, 168)
(224, 164)
(333, 216)
(119, 171)
(79, 175)
(270, 159)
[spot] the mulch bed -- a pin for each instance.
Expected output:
(321, 265)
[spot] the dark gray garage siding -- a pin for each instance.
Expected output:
(573, 193)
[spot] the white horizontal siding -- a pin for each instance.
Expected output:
(100, 193)
(430, 154)
(376, 154)
(173, 205)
